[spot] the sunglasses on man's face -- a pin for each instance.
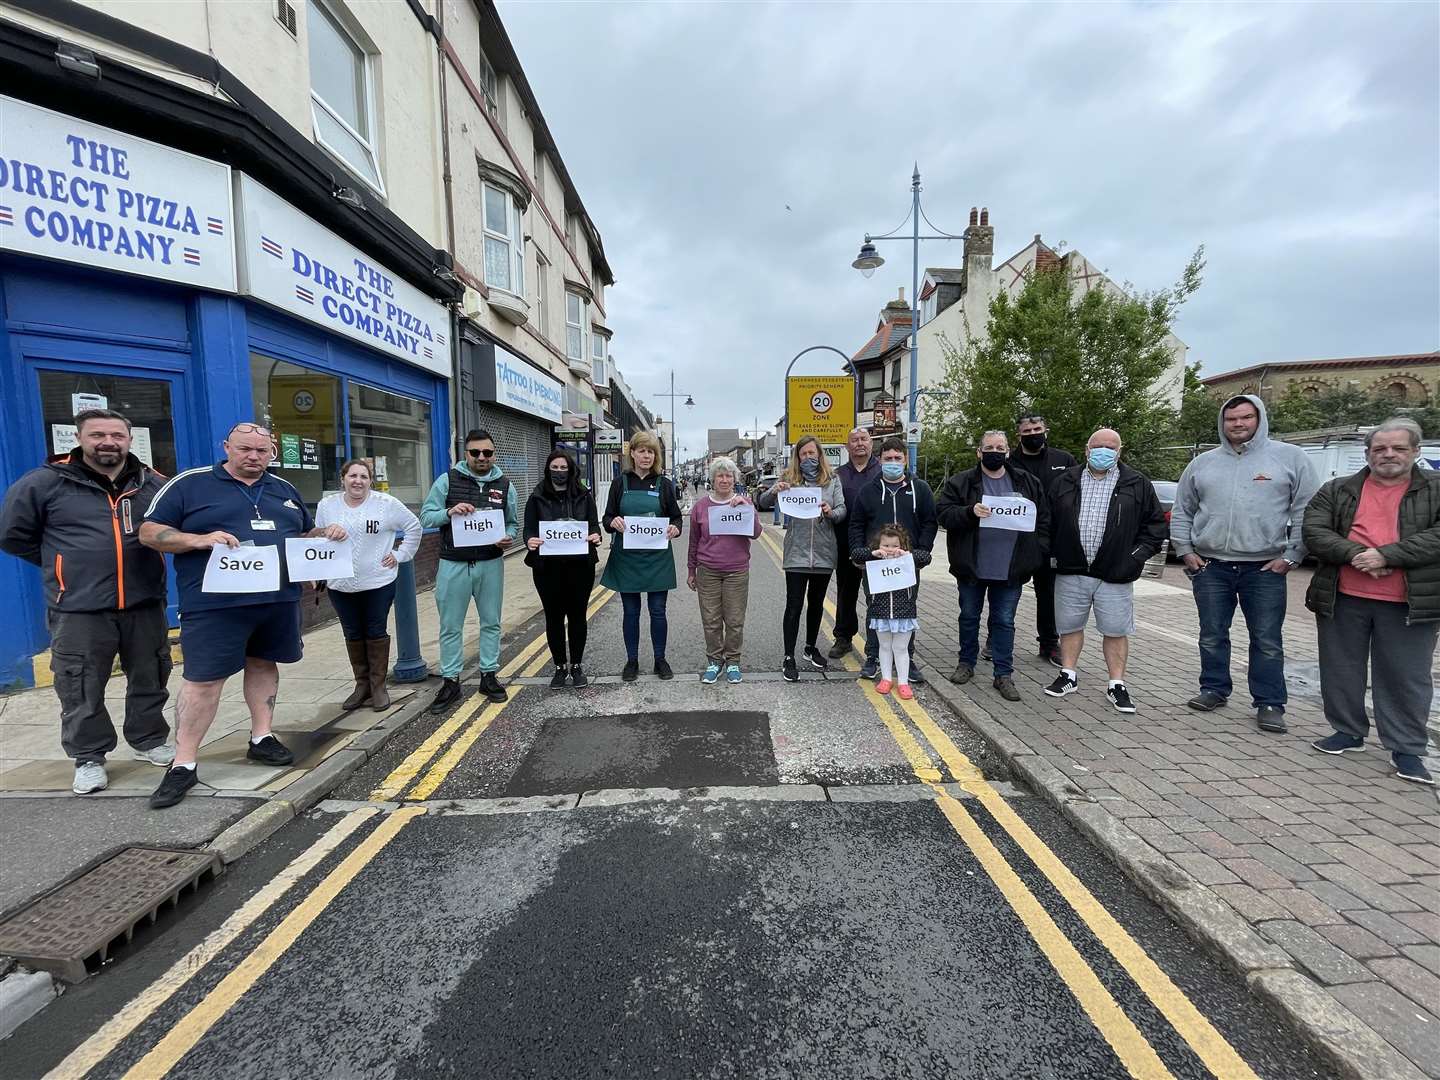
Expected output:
(480, 453)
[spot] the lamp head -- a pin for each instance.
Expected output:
(689, 402)
(869, 259)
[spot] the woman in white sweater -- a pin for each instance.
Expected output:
(372, 519)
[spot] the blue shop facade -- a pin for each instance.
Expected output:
(189, 296)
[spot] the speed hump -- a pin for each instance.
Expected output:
(820, 405)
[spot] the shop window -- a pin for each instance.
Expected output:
(574, 327)
(302, 408)
(144, 402)
(872, 381)
(394, 433)
(342, 99)
(504, 241)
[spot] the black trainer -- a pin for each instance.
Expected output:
(814, 659)
(491, 688)
(788, 671)
(1120, 698)
(270, 751)
(448, 695)
(962, 674)
(839, 649)
(1206, 701)
(917, 677)
(1270, 718)
(662, 668)
(1050, 654)
(558, 680)
(173, 787)
(577, 676)
(870, 669)
(631, 671)
(1062, 685)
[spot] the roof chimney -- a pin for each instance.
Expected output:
(979, 244)
(984, 216)
(902, 294)
(973, 220)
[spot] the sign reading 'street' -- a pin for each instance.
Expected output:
(478, 528)
(87, 194)
(242, 570)
(889, 575)
(1014, 513)
(732, 520)
(309, 559)
(564, 538)
(646, 533)
(800, 502)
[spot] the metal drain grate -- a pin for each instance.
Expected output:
(71, 931)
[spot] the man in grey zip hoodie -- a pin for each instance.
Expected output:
(1236, 523)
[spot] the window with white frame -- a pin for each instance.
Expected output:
(541, 284)
(597, 359)
(570, 231)
(342, 100)
(504, 241)
(489, 86)
(574, 327)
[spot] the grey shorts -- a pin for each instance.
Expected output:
(1076, 594)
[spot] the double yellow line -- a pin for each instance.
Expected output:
(1130, 1046)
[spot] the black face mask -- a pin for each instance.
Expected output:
(559, 480)
(993, 459)
(1033, 444)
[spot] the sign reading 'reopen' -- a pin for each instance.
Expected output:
(800, 502)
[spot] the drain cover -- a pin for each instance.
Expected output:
(70, 931)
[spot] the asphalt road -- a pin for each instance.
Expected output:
(672, 880)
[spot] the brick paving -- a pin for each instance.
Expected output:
(1333, 860)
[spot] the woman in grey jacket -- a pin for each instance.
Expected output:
(810, 549)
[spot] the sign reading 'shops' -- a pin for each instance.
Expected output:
(646, 533)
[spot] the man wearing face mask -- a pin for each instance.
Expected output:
(1045, 463)
(991, 562)
(1105, 522)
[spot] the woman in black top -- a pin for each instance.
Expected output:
(563, 581)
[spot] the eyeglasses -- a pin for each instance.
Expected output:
(246, 429)
(481, 453)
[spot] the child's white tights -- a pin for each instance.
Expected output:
(895, 655)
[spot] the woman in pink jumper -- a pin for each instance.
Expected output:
(719, 569)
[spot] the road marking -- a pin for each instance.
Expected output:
(119, 1027)
(191, 1028)
(918, 758)
(538, 642)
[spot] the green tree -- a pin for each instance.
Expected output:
(1343, 407)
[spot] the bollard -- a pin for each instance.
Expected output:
(409, 665)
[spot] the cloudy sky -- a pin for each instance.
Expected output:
(733, 155)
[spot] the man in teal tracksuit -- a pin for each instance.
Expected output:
(476, 483)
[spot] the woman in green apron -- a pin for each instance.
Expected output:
(642, 492)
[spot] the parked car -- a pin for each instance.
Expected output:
(1165, 492)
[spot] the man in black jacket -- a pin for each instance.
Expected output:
(1105, 522)
(985, 559)
(862, 469)
(1045, 463)
(893, 498)
(78, 519)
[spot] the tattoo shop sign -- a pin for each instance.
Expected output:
(299, 266)
(83, 193)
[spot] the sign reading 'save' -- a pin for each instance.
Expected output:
(1014, 513)
(889, 575)
(800, 502)
(242, 570)
(646, 533)
(478, 528)
(564, 538)
(732, 520)
(318, 559)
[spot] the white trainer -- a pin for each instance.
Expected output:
(90, 777)
(163, 755)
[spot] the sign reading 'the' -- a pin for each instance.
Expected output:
(1014, 513)
(646, 533)
(890, 575)
(88, 194)
(478, 528)
(799, 502)
(297, 264)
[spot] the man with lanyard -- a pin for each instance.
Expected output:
(467, 574)
(237, 503)
(77, 519)
(1045, 463)
(862, 469)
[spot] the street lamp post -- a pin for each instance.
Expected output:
(672, 394)
(870, 260)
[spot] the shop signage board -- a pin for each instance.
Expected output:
(309, 454)
(289, 451)
(835, 456)
(295, 263)
(83, 193)
(820, 405)
(611, 439)
(521, 386)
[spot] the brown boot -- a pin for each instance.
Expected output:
(360, 665)
(377, 650)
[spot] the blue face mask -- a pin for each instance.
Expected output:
(1102, 458)
(892, 470)
(809, 469)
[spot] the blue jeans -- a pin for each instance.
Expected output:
(1261, 596)
(630, 624)
(1003, 601)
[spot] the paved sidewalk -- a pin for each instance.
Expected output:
(1332, 863)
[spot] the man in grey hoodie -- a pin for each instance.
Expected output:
(1236, 523)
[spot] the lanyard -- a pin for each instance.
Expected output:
(254, 501)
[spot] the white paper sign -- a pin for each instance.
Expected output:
(140, 445)
(800, 502)
(564, 538)
(478, 528)
(889, 575)
(65, 437)
(242, 570)
(80, 402)
(1014, 513)
(318, 559)
(646, 533)
(732, 520)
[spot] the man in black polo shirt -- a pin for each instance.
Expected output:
(236, 502)
(1044, 462)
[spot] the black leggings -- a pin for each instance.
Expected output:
(797, 584)
(564, 586)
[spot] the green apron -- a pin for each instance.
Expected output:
(628, 570)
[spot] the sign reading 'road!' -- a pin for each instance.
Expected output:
(820, 405)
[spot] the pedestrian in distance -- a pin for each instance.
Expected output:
(1045, 463)
(1236, 524)
(862, 468)
(469, 574)
(1105, 522)
(238, 501)
(719, 574)
(892, 498)
(1376, 597)
(78, 520)
(811, 550)
(564, 582)
(372, 519)
(892, 616)
(643, 491)
(989, 563)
